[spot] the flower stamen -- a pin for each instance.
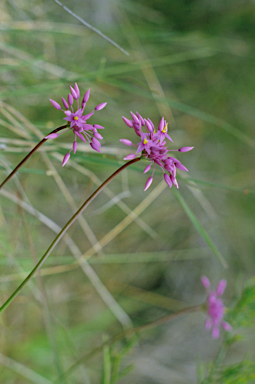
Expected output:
(152, 146)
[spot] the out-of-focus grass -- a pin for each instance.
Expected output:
(192, 62)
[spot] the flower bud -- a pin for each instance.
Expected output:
(161, 124)
(97, 126)
(70, 99)
(98, 136)
(146, 169)
(206, 282)
(130, 157)
(65, 103)
(86, 96)
(126, 142)
(221, 287)
(128, 122)
(95, 147)
(135, 118)
(74, 146)
(52, 136)
(73, 93)
(77, 91)
(168, 180)
(66, 158)
(185, 149)
(96, 142)
(142, 120)
(100, 106)
(55, 104)
(148, 183)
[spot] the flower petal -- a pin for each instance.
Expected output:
(221, 287)
(226, 326)
(215, 332)
(86, 117)
(208, 324)
(80, 136)
(206, 282)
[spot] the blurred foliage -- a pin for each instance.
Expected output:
(241, 316)
(112, 361)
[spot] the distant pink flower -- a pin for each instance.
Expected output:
(152, 146)
(215, 308)
(77, 121)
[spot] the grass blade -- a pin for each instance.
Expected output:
(199, 228)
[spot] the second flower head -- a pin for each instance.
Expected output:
(77, 121)
(152, 146)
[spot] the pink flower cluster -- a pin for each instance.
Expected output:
(78, 121)
(152, 146)
(215, 308)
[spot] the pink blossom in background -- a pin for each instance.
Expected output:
(215, 308)
(152, 146)
(77, 121)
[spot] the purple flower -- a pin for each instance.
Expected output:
(77, 121)
(152, 146)
(215, 308)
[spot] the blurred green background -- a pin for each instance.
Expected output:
(191, 61)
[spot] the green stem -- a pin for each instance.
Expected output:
(29, 154)
(63, 231)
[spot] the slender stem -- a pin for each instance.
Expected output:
(91, 27)
(29, 154)
(63, 231)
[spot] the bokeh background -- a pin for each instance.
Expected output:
(191, 61)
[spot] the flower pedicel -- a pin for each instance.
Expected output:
(153, 147)
(78, 121)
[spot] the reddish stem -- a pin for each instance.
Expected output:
(28, 155)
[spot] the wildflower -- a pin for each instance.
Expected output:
(152, 146)
(215, 308)
(77, 121)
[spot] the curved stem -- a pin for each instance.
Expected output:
(63, 231)
(30, 154)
